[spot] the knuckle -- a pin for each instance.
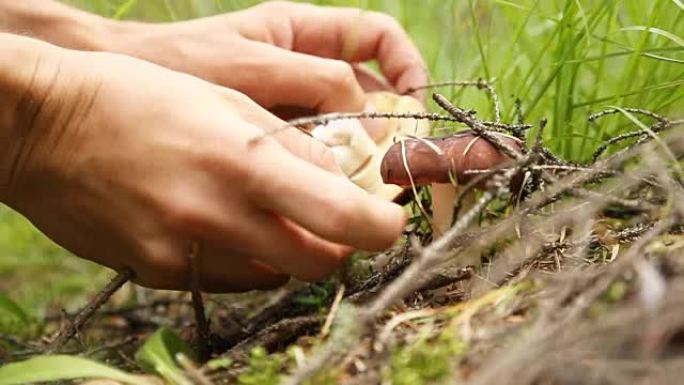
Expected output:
(341, 76)
(327, 160)
(339, 218)
(256, 176)
(340, 88)
(182, 215)
(323, 157)
(215, 160)
(236, 97)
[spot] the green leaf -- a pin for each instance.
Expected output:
(158, 355)
(124, 9)
(63, 367)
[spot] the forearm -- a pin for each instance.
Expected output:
(56, 23)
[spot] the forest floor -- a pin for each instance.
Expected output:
(575, 277)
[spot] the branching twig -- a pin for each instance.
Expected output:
(414, 277)
(73, 326)
(277, 333)
(480, 129)
(481, 84)
(641, 111)
(327, 118)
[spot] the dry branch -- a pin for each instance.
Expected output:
(74, 326)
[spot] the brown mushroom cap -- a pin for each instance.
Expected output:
(459, 152)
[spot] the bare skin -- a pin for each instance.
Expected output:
(278, 53)
(127, 163)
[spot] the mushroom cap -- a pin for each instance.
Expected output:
(434, 162)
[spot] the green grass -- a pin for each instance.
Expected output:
(564, 59)
(39, 275)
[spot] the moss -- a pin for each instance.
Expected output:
(270, 369)
(427, 360)
(317, 296)
(264, 369)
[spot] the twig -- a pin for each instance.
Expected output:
(327, 118)
(14, 341)
(519, 115)
(512, 128)
(413, 277)
(480, 129)
(287, 307)
(75, 325)
(641, 111)
(108, 346)
(479, 83)
(643, 135)
(123, 311)
(333, 311)
(636, 205)
(275, 334)
(552, 167)
(604, 146)
(539, 139)
(202, 325)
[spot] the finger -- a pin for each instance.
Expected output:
(226, 221)
(166, 266)
(328, 205)
(309, 149)
(353, 35)
(284, 245)
(369, 80)
(223, 270)
(291, 138)
(282, 77)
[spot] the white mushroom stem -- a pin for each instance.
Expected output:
(444, 197)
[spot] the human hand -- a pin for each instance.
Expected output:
(127, 164)
(284, 54)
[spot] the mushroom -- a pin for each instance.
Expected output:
(442, 162)
(359, 146)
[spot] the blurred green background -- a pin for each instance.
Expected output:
(563, 58)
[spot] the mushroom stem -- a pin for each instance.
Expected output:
(444, 197)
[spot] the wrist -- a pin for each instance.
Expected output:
(23, 79)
